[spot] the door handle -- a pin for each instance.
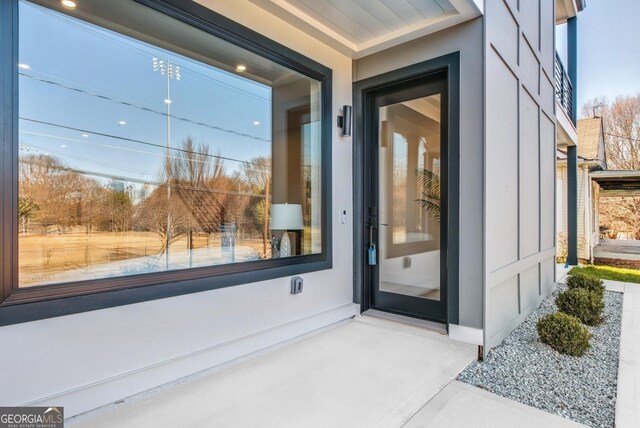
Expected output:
(373, 224)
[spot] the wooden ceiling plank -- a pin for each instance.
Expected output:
(404, 10)
(334, 18)
(382, 13)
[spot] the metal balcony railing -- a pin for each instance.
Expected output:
(564, 88)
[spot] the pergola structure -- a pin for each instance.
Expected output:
(617, 183)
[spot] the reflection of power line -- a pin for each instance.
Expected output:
(131, 140)
(93, 143)
(110, 165)
(139, 181)
(110, 146)
(147, 109)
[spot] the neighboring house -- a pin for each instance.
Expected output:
(591, 157)
(395, 156)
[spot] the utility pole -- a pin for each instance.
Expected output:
(171, 71)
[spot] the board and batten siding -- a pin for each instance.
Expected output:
(520, 162)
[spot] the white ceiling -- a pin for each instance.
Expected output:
(360, 27)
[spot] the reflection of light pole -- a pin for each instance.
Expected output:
(172, 71)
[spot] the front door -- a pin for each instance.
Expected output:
(405, 196)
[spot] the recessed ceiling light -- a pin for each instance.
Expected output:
(24, 66)
(167, 101)
(122, 123)
(68, 4)
(240, 68)
(256, 122)
(63, 145)
(85, 135)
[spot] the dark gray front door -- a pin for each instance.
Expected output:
(406, 197)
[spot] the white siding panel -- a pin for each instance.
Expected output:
(547, 31)
(504, 304)
(529, 287)
(547, 275)
(502, 163)
(547, 181)
(503, 31)
(547, 93)
(529, 68)
(531, 25)
(529, 177)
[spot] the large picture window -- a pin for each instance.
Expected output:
(147, 145)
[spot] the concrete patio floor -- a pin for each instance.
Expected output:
(364, 372)
(361, 373)
(461, 405)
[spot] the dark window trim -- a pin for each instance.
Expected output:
(362, 91)
(28, 304)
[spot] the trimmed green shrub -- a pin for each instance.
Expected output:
(586, 282)
(564, 333)
(583, 304)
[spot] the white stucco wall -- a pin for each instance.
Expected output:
(87, 360)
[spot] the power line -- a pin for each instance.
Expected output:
(129, 104)
(621, 136)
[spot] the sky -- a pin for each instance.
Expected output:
(608, 49)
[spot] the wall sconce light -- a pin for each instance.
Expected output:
(344, 121)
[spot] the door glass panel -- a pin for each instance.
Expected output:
(409, 184)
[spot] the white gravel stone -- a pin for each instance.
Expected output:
(579, 388)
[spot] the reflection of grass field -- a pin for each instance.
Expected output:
(41, 256)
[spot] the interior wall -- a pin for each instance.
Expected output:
(520, 161)
(422, 266)
(465, 38)
(90, 359)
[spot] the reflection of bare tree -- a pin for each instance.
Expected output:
(56, 197)
(152, 215)
(256, 177)
(45, 182)
(193, 174)
(26, 210)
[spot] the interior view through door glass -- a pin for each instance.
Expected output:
(409, 156)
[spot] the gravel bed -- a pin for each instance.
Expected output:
(579, 388)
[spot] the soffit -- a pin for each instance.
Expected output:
(361, 27)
